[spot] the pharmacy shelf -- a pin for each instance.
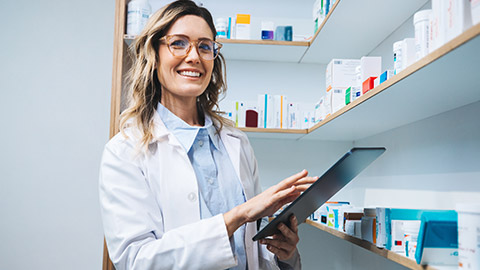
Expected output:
(440, 82)
(263, 50)
(354, 28)
(274, 133)
(392, 256)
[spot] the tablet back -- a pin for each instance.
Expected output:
(334, 179)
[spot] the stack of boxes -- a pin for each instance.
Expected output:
(346, 80)
(339, 76)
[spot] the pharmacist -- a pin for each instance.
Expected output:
(179, 186)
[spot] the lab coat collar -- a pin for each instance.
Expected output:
(184, 132)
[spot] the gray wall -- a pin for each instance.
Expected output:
(55, 81)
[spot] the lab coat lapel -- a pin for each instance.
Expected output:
(232, 144)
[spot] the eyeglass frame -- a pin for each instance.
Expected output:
(191, 43)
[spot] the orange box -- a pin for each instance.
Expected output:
(243, 18)
(368, 84)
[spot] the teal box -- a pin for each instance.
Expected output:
(438, 239)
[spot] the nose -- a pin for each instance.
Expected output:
(192, 55)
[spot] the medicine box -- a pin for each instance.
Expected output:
(370, 66)
(368, 84)
(348, 95)
(438, 239)
(341, 73)
(386, 75)
(280, 111)
(337, 98)
(243, 26)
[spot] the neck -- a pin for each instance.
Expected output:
(184, 108)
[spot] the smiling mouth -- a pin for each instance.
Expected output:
(192, 74)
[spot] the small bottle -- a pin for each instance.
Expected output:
(222, 27)
(138, 12)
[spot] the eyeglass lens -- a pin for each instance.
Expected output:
(180, 46)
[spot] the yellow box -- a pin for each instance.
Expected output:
(243, 18)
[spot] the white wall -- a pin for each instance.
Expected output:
(55, 81)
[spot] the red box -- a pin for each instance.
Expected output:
(368, 85)
(251, 119)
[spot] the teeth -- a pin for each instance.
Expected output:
(190, 73)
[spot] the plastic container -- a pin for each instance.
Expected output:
(221, 25)
(421, 22)
(468, 236)
(403, 54)
(397, 57)
(138, 12)
(475, 6)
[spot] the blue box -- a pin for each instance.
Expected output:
(386, 75)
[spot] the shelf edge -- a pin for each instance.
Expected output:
(392, 256)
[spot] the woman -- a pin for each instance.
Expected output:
(178, 186)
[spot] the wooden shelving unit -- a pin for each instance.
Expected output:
(392, 256)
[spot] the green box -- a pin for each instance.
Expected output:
(348, 95)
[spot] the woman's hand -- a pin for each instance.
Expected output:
(269, 201)
(284, 243)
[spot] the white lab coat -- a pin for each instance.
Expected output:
(150, 209)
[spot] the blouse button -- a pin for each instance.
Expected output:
(192, 196)
(200, 143)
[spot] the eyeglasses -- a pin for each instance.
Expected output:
(180, 45)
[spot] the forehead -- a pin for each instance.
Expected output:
(194, 27)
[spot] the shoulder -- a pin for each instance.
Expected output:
(124, 143)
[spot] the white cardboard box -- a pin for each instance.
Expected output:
(370, 66)
(341, 73)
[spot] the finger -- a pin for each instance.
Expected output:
(290, 236)
(281, 254)
(306, 180)
(286, 183)
(302, 188)
(294, 224)
(282, 194)
(277, 244)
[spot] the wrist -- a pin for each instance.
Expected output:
(234, 219)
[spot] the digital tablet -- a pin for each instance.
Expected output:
(334, 179)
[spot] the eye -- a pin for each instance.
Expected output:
(178, 43)
(206, 46)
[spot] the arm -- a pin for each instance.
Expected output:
(133, 224)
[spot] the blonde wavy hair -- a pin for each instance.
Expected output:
(143, 84)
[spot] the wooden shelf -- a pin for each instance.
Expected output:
(263, 42)
(392, 256)
(354, 28)
(275, 133)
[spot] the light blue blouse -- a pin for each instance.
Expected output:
(220, 190)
